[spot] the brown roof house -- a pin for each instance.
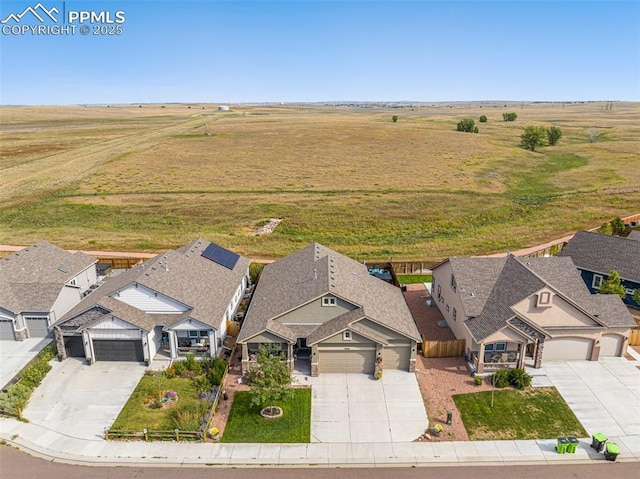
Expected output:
(512, 311)
(38, 284)
(329, 316)
(176, 303)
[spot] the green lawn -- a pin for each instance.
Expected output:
(135, 416)
(535, 413)
(414, 278)
(246, 425)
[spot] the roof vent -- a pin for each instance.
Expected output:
(472, 294)
(63, 269)
(315, 274)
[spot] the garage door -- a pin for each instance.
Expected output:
(6, 330)
(610, 345)
(396, 357)
(73, 346)
(347, 361)
(118, 350)
(567, 349)
(37, 327)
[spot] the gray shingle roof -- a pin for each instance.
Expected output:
(634, 235)
(602, 253)
(183, 275)
(32, 278)
(499, 283)
(315, 271)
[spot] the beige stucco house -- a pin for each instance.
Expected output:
(326, 311)
(511, 311)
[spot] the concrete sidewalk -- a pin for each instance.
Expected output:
(51, 444)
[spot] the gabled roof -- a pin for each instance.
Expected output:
(489, 287)
(31, 279)
(183, 275)
(316, 271)
(602, 253)
(634, 235)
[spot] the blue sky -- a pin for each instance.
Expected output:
(304, 51)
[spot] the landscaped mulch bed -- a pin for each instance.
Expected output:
(439, 379)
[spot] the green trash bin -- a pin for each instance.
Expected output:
(598, 440)
(611, 452)
(573, 444)
(561, 445)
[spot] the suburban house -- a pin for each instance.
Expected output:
(515, 310)
(178, 302)
(38, 284)
(327, 313)
(595, 255)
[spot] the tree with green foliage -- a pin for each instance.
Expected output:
(394, 118)
(532, 137)
(617, 226)
(467, 125)
(613, 285)
(509, 116)
(483, 118)
(270, 379)
(636, 296)
(605, 229)
(553, 135)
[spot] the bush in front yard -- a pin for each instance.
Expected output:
(500, 378)
(189, 416)
(519, 378)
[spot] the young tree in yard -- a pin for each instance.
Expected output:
(270, 380)
(617, 226)
(613, 285)
(636, 296)
(532, 137)
(553, 135)
(468, 125)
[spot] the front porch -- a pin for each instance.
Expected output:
(494, 356)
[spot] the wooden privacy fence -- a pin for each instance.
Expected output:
(120, 263)
(443, 349)
(634, 337)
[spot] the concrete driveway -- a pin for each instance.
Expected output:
(79, 400)
(604, 395)
(355, 408)
(14, 355)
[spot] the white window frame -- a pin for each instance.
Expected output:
(193, 333)
(629, 291)
(346, 336)
(73, 282)
(501, 347)
(329, 301)
(597, 281)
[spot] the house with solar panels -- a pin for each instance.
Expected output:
(38, 285)
(175, 304)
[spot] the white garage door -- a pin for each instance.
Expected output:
(37, 327)
(567, 349)
(396, 357)
(6, 330)
(347, 360)
(610, 345)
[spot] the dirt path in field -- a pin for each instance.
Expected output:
(61, 169)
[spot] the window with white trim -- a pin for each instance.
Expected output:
(193, 334)
(73, 282)
(455, 314)
(328, 301)
(495, 347)
(346, 336)
(597, 281)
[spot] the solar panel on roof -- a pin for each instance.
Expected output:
(221, 256)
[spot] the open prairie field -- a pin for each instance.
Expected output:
(148, 178)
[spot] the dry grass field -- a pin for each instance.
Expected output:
(147, 178)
